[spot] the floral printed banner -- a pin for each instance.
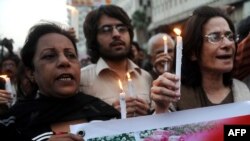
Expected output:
(201, 124)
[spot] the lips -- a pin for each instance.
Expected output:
(225, 56)
(117, 43)
(65, 77)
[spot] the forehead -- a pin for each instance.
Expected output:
(106, 20)
(55, 41)
(159, 43)
(216, 24)
(9, 61)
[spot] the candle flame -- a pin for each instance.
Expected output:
(128, 75)
(164, 38)
(177, 31)
(120, 84)
(4, 76)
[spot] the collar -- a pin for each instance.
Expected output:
(102, 65)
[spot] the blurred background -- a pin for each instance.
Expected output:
(148, 16)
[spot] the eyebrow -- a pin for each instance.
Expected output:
(119, 24)
(227, 31)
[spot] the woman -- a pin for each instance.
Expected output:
(51, 60)
(208, 56)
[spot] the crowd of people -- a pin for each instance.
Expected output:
(53, 91)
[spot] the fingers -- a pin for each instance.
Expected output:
(167, 80)
(142, 107)
(164, 91)
(162, 95)
(134, 106)
(159, 93)
(116, 105)
(130, 106)
(161, 59)
(5, 97)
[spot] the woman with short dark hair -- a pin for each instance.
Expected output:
(51, 61)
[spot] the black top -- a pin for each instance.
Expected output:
(34, 117)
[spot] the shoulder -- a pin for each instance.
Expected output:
(9, 130)
(146, 74)
(239, 84)
(88, 73)
(240, 90)
(88, 68)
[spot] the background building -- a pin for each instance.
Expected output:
(167, 14)
(152, 16)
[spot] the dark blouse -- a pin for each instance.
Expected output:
(196, 98)
(34, 117)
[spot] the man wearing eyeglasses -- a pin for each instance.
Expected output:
(109, 35)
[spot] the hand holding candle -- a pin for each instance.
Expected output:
(122, 102)
(165, 39)
(179, 47)
(8, 87)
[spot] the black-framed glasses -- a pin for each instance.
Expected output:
(217, 37)
(108, 29)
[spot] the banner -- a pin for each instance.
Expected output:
(200, 124)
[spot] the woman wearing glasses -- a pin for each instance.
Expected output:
(208, 55)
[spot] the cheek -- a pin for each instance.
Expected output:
(78, 73)
(39, 77)
(101, 40)
(39, 74)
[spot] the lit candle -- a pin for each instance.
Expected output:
(130, 86)
(8, 87)
(122, 102)
(165, 39)
(179, 47)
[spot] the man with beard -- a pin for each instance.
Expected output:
(109, 35)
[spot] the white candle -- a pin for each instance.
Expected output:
(130, 86)
(165, 39)
(122, 102)
(179, 47)
(8, 88)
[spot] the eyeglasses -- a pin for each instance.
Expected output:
(217, 37)
(108, 29)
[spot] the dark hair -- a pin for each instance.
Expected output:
(35, 33)
(21, 92)
(137, 46)
(11, 56)
(90, 27)
(244, 28)
(192, 42)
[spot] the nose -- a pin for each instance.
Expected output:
(115, 32)
(63, 61)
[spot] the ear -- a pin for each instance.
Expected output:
(30, 74)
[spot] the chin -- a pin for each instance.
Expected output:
(66, 92)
